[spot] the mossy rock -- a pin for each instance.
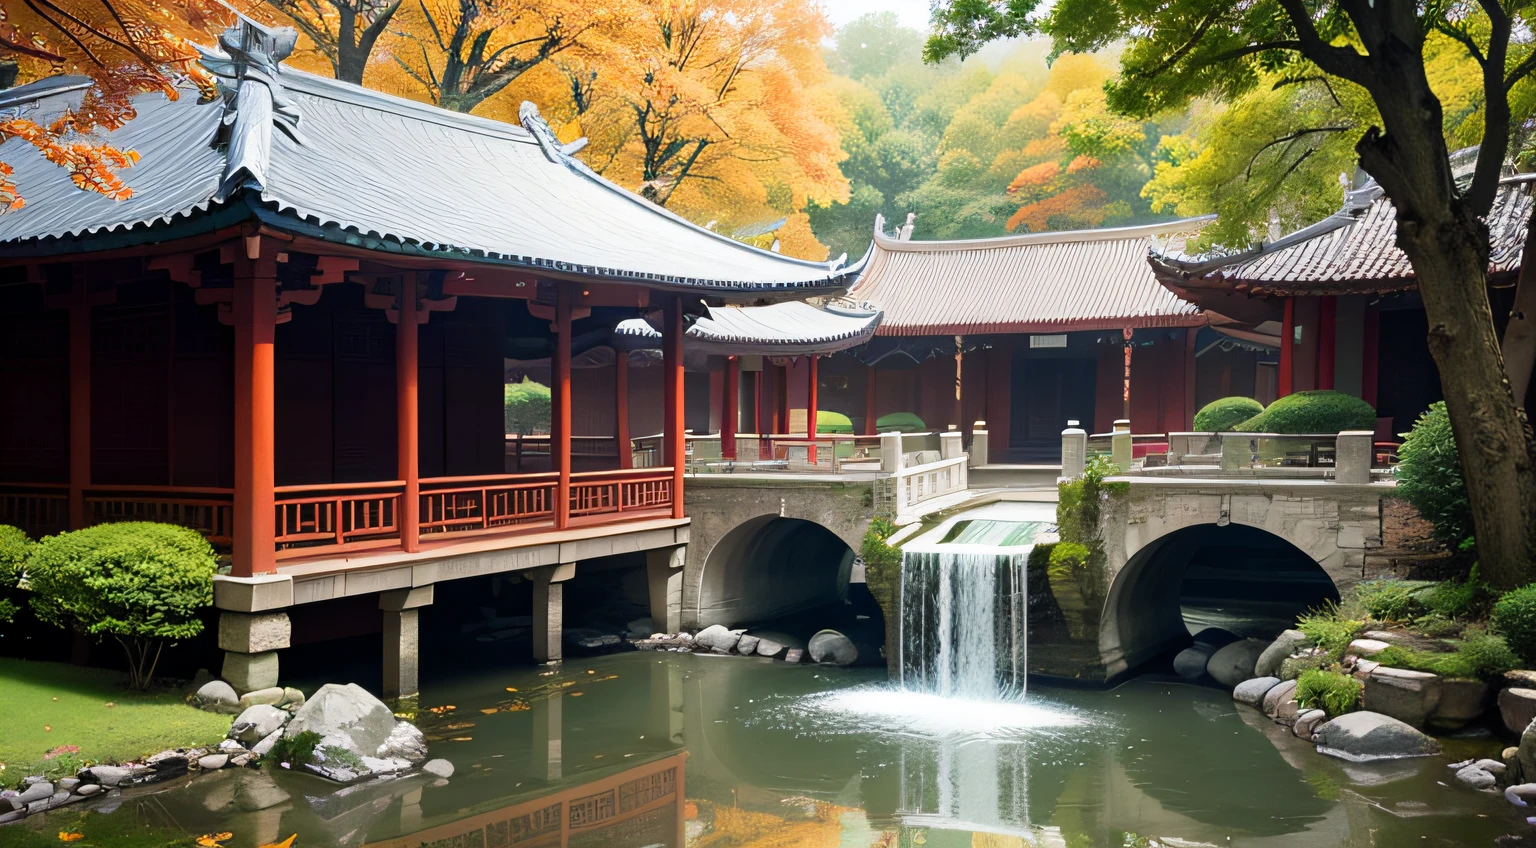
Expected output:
(1224, 415)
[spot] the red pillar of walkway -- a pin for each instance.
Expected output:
(621, 409)
(1125, 390)
(1370, 358)
(869, 401)
(810, 408)
(1327, 342)
(255, 317)
(560, 407)
(781, 406)
(1287, 348)
(728, 415)
(79, 397)
(672, 367)
(407, 427)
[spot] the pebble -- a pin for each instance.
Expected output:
(88, 789)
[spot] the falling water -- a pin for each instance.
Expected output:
(963, 621)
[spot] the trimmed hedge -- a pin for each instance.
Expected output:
(1313, 412)
(1221, 416)
(832, 422)
(904, 422)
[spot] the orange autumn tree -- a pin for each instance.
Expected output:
(716, 109)
(125, 48)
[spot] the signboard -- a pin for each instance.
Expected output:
(1059, 340)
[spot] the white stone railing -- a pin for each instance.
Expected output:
(905, 487)
(1346, 457)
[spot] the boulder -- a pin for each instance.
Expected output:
(1366, 736)
(1527, 752)
(405, 742)
(264, 747)
(1363, 668)
(36, 792)
(1287, 712)
(747, 645)
(1252, 692)
(830, 646)
(1517, 706)
(1367, 647)
(212, 762)
(1287, 643)
(1234, 663)
(1279, 694)
(272, 695)
(438, 768)
(717, 638)
(1190, 663)
(1215, 637)
(348, 716)
(1408, 696)
(1521, 794)
(1476, 778)
(1307, 722)
(769, 648)
(1461, 702)
(114, 775)
(256, 723)
(292, 698)
(216, 695)
(1523, 678)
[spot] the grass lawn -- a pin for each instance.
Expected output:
(48, 705)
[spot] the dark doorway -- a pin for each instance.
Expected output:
(1046, 394)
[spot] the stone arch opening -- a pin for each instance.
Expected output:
(1236, 577)
(772, 568)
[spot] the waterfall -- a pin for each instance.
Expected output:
(963, 623)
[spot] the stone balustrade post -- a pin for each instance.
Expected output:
(1120, 445)
(1074, 451)
(1236, 451)
(950, 446)
(890, 452)
(1352, 457)
(978, 444)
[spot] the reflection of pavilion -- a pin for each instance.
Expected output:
(638, 806)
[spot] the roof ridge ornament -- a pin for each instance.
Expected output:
(556, 152)
(249, 67)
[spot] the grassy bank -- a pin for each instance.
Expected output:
(50, 706)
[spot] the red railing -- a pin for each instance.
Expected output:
(208, 510)
(453, 504)
(600, 492)
(38, 508)
(345, 515)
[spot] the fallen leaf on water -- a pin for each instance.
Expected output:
(69, 836)
(575, 694)
(286, 843)
(214, 840)
(511, 688)
(461, 739)
(440, 710)
(490, 710)
(590, 671)
(597, 756)
(459, 725)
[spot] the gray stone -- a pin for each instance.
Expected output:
(231, 746)
(1476, 778)
(794, 655)
(1280, 693)
(1366, 736)
(1190, 663)
(68, 783)
(1363, 668)
(254, 634)
(747, 645)
(1461, 702)
(38, 806)
(769, 648)
(1490, 766)
(348, 716)
(438, 768)
(114, 775)
(385, 765)
(1408, 696)
(1366, 647)
(212, 762)
(88, 789)
(272, 695)
(1252, 692)
(292, 698)
(1215, 637)
(36, 792)
(405, 742)
(1521, 794)
(830, 646)
(717, 638)
(256, 723)
(1521, 677)
(241, 761)
(1517, 706)
(1234, 663)
(249, 672)
(1307, 722)
(1287, 712)
(216, 694)
(1285, 644)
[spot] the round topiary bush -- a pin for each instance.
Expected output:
(904, 422)
(828, 421)
(1429, 476)
(1313, 412)
(1221, 416)
(1514, 618)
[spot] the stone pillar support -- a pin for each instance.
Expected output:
(250, 642)
(950, 445)
(1074, 451)
(978, 454)
(1352, 457)
(664, 579)
(890, 452)
(548, 609)
(1120, 445)
(402, 638)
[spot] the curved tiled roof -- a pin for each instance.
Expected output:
(1038, 282)
(781, 329)
(332, 160)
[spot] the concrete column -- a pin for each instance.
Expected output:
(664, 580)
(549, 610)
(890, 452)
(1352, 457)
(1074, 451)
(546, 757)
(402, 632)
(978, 444)
(1120, 445)
(250, 642)
(950, 445)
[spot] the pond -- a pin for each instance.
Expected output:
(641, 749)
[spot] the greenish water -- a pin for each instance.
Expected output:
(767, 754)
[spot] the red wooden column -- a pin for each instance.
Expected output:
(1125, 395)
(255, 316)
(781, 406)
(1327, 341)
(560, 407)
(407, 422)
(810, 407)
(672, 366)
(79, 397)
(1370, 355)
(869, 401)
(1287, 349)
(621, 408)
(728, 416)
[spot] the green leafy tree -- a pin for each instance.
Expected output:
(1177, 51)
(526, 407)
(1429, 476)
(141, 583)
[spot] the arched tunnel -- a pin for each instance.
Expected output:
(793, 574)
(1242, 579)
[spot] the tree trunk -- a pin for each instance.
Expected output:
(1448, 253)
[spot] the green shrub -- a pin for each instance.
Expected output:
(1477, 655)
(1328, 690)
(1468, 598)
(1313, 412)
(296, 750)
(14, 549)
(1220, 416)
(1329, 629)
(1292, 668)
(1437, 626)
(139, 582)
(1514, 618)
(1392, 600)
(526, 406)
(1429, 476)
(902, 422)
(828, 421)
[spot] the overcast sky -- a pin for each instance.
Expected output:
(913, 13)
